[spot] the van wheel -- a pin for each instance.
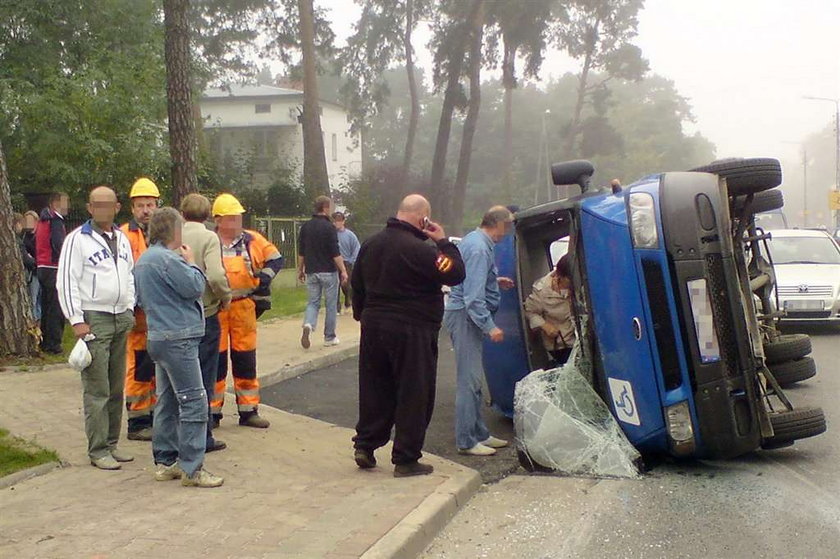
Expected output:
(529, 465)
(790, 426)
(765, 201)
(794, 371)
(746, 176)
(787, 348)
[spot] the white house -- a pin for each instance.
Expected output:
(259, 123)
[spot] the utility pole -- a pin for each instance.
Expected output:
(836, 146)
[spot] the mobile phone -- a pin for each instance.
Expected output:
(425, 222)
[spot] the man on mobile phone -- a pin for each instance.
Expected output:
(397, 297)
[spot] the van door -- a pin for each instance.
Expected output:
(621, 330)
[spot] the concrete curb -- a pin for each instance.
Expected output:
(28, 473)
(413, 534)
(286, 372)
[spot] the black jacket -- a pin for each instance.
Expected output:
(399, 274)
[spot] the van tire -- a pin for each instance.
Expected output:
(793, 425)
(746, 176)
(787, 348)
(765, 201)
(791, 372)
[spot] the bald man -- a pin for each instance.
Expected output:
(397, 297)
(96, 291)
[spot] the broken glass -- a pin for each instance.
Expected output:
(562, 424)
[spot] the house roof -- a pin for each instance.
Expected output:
(249, 91)
(257, 92)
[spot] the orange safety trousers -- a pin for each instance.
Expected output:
(238, 344)
(139, 379)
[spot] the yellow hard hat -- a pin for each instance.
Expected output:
(227, 204)
(144, 187)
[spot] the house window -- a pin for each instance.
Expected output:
(334, 147)
(262, 108)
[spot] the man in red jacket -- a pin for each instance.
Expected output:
(49, 237)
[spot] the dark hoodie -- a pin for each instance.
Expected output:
(49, 236)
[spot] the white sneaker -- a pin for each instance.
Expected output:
(493, 442)
(167, 473)
(478, 450)
(304, 338)
(202, 478)
(332, 342)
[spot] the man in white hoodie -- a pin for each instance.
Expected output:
(95, 287)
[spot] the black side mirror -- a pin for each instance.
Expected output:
(577, 172)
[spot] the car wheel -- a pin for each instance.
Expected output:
(790, 372)
(765, 201)
(746, 176)
(787, 348)
(789, 426)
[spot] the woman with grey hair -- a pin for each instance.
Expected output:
(169, 288)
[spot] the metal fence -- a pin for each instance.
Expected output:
(283, 233)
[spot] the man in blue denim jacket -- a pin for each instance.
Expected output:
(469, 317)
(169, 289)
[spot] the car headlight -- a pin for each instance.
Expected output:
(643, 221)
(678, 421)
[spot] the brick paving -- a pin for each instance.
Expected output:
(291, 491)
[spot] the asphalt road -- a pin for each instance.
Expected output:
(782, 503)
(332, 394)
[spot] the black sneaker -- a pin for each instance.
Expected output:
(413, 469)
(364, 458)
(217, 445)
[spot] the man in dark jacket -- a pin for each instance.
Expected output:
(49, 238)
(397, 297)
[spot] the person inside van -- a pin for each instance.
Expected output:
(549, 311)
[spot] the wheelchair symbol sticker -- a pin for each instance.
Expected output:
(624, 402)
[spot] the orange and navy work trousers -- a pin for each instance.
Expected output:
(139, 383)
(238, 345)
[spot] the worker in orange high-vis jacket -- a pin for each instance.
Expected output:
(140, 369)
(251, 262)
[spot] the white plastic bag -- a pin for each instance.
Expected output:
(80, 357)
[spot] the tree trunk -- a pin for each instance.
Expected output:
(583, 79)
(509, 81)
(18, 332)
(414, 115)
(440, 200)
(460, 187)
(179, 98)
(316, 179)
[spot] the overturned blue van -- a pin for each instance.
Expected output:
(665, 274)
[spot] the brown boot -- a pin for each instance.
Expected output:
(252, 419)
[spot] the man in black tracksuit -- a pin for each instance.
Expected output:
(397, 297)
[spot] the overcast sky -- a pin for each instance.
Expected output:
(744, 64)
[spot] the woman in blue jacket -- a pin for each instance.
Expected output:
(169, 288)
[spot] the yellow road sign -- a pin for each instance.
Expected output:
(834, 200)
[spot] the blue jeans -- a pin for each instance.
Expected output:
(208, 357)
(326, 284)
(467, 338)
(180, 419)
(35, 297)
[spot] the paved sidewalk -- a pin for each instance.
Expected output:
(291, 491)
(280, 355)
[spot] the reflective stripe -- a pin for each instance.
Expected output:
(241, 293)
(140, 397)
(255, 392)
(261, 297)
(247, 407)
(268, 272)
(139, 413)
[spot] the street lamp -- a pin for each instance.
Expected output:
(804, 181)
(837, 143)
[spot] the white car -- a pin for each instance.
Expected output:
(807, 265)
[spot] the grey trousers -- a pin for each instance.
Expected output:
(104, 380)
